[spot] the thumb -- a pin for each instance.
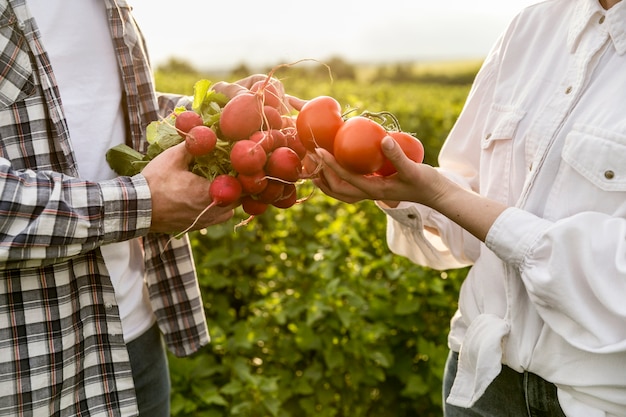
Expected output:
(394, 153)
(390, 148)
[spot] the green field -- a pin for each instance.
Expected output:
(309, 312)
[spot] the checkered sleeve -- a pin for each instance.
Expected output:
(168, 102)
(47, 216)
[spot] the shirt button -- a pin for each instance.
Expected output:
(568, 90)
(601, 19)
(412, 216)
(609, 175)
(108, 306)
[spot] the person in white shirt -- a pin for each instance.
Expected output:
(530, 191)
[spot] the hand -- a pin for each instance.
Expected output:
(230, 90)
(243, 85)
(413, 182)
(178, 195)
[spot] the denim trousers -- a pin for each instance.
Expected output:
(511, 394)
(148, 361)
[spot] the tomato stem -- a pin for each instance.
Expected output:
(383, 117)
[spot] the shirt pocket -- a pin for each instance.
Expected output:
(497, 151)
(16, 68)
(592, 176)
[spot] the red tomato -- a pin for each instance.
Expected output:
(318, 122)
(357, 145)
(412, 148)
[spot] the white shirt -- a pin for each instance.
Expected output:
(543, 131)
(91, 92)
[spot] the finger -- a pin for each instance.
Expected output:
(394, 153)
(334, 169)
(295, 102)
(339, 183)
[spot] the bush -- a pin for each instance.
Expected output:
(311, 315)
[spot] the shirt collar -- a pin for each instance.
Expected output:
(589, 12)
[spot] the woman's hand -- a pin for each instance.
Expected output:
(416, 182)
(413, 181)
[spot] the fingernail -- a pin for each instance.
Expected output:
(387, 143)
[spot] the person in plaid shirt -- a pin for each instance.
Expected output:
(90, 282)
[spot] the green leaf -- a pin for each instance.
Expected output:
(200, 89)
(272, 405)
(316, 312)
(210, 396)
(415, 386)
(207, 103)
(334, 357)
(122, 159)
(232, 388)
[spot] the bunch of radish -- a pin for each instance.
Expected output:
(247, 146)
(252, 146)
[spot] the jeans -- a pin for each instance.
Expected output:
(511, 394)
(148, 361)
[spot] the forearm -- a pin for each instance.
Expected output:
(471, 211)
(46, 215)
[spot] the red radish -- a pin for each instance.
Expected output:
(200, 140)
(187, 120)
(252, 206)
(279, 138)
(272, 192)
(270, 90)
(225, 190)
(285, 164)
(264, 138)
(247, 157)
(289, 197)
(294, 142)
(254, 183)
(288, 121)
(272, 118)
(241, 116)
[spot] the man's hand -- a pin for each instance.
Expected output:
(178, 195)
(243, 85)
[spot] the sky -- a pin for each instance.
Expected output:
(219, 35)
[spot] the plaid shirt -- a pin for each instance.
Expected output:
(62, 351)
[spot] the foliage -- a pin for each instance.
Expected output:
(458, 73)
(309, 311)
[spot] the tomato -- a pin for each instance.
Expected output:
(357, 145)
(411, 146)
(318, 122)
